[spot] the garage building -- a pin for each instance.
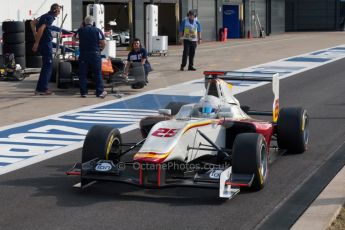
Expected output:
(317, 15)
(130, 15)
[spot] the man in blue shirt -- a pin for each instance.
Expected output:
(91, 43)
(43, 43)
(190, 32)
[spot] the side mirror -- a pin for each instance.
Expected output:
(226, 111)
(224, 114)
(166, 112)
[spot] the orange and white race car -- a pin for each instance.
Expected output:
(213, 143)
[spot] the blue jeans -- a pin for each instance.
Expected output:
(46, 50)
(147, 68)
(94, 61)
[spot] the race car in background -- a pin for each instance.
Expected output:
(121, 37)
(214, 143)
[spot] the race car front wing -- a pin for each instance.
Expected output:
(158, 176)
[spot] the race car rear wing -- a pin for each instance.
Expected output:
(249, 76)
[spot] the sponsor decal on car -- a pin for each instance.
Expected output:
(276, 110)
(103, 167)
(215, 173)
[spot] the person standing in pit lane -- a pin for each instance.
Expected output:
(91, 43)
(190, 33)
(43, 44)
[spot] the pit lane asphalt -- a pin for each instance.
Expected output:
(41, 196)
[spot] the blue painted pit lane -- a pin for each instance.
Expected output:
(307, 59)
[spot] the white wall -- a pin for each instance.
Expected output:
(19, 10)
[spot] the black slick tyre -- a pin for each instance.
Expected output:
(29, 36)
(55, 69)
(249, 156)
(293, 129)
(64, 74)
(13, 38)
(28, 50)
(16, 49)
(102, 142)
(33, 61)
(138, 85)
(13, 26)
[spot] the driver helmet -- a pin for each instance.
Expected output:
(209, 106)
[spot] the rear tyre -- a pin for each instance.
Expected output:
(249, 156)
(1, 61)
(102, 142)
(175, 106)
(147, 123)
(293, 129)
(33, 61)
(28, 49)
(245, 108)
(64, 75)
(29, 36)
(55, 69)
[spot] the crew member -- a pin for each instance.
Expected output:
(190, 33)
(91, 43)
(138, 54)
(43, 43)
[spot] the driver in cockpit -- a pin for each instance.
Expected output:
(208, 106)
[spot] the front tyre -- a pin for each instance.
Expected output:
(249, 156)
(102, 142)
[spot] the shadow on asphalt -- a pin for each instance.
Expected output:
(60, 186)
(68, 93)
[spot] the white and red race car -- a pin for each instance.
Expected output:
(213, 143)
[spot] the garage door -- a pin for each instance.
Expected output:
(207, 18)
(278, 16)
